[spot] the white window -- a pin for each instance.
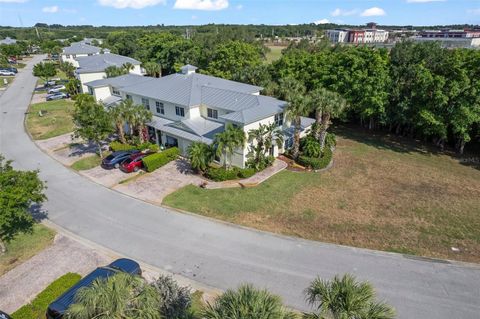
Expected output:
(68, 56)
(279, 119)
(211, 113)
(160, 107)
(180, 111)
(90, 90)
(128, 97)
(146, 103)
(115, 91)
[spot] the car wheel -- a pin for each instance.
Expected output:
(117, 165)
(135, 169)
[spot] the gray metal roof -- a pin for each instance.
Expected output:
(99, 62)
(8, 41)
(112, 100)
(265, 106)
(119, 81)
(177, 129)
(81, 48)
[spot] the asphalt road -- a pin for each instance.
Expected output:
(221, 255)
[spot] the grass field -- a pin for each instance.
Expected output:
(383, 193)
(87, 163)
(25, 246)
(56, 121)
(275, 53)
(8, 78)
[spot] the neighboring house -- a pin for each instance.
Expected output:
(188, 107)
(79, 49)
(369, 35)
(90, 68)
(464, 38)
(8, 41)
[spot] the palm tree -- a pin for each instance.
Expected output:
(327, 105)
(114, 71)
(247, 302)
(68, 68)
(119, 296)
(127, 66)
(119, 117)
(264, 136)
(153, 69)
(200, 155)
(345, 298)
(227, 141)
(293, 91)
(141, 116)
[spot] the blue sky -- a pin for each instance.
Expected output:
(181, 12)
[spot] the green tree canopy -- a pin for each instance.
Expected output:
(45, 71)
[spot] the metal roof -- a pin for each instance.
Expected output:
(119, 81)
(81, 48)
(99, 62)
(266, 106)
(201, 130)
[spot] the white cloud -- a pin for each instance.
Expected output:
(134, 4)
(474, 11)
(373, 12)
(13, 1)
(322, 21)
(424, 1)
(52, 9)
(239, 7)
(209, 5)
(343, 13)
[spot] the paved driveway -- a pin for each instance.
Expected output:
(224, 256)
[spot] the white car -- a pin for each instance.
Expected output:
(6, 73)
(56, 89)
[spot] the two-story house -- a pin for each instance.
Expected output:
(79, 49)
(188, 106)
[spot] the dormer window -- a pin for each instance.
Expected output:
(179, 111)
(160, 107)
(213, 114)
(146, 103)
(115, 91)
(279, 119)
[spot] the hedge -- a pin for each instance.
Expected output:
(157, 160)
(38, 306)
(317, 163)
(221, 174)
(118, 146)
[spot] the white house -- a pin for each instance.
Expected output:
(90, 68)
(188, 107)
(8, 41)
(78, 49)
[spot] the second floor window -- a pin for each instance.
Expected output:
(128, 97)
(146, 103)
(115, 91)
(180, 111)
(212, 113)
(279, 119)
(160, 107)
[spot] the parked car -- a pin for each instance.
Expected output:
(57, 96)
(56, 88)
(14, 70)
(134, 162)
(116, 158)
(57, 308)
(4, 315)
(50, 83)
(6, 73)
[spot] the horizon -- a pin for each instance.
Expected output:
(138, 13)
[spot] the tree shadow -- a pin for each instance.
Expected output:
(184, 167)
(38, 212)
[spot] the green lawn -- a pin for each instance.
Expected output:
(275, 53)
(25, 246)
(2, 80)
(383, 193)
(87, 163)
(37, 308)
(56, 121)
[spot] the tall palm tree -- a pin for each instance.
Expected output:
(68, 68)
(152, 69)
(119, 296)
(247, 302)
(141, 116)
(227, 141)
(119, 117)
(345, 298)
(294, 92)
(327, 105)
(200, 155)
(127, 66)
(264, 136)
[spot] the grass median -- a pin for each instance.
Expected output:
(50, 119)
(384, 192)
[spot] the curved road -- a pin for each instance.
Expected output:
(221, 255)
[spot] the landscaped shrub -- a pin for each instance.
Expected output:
(38, 306)
(315, 162)
(221, 174)
(246, 172)
(330, 140)
(148, 146)
(117, 146)
(174, 301)
(310, 146)
(157, 160)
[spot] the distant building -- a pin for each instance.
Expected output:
(8, 41)
(451, 38)
(369, 35)
(79, 49)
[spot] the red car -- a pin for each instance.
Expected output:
(134, 162)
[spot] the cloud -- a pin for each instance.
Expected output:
(322, 21)
(239, 7)
(13, 1)
(373, 12)
(424, 1)
(208, 5)
(52, 9)
(474, 11)
(340, 12)
(134, 4)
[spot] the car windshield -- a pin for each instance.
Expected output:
(128, 161)
(109, 157)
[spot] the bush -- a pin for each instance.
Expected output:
(148, 146)
(157, 160)
(330, 140)
(221, 174)
(174, 300)
(310, 147)
(246, 172)
(317, 163)
(117, 146)
(38, 306)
